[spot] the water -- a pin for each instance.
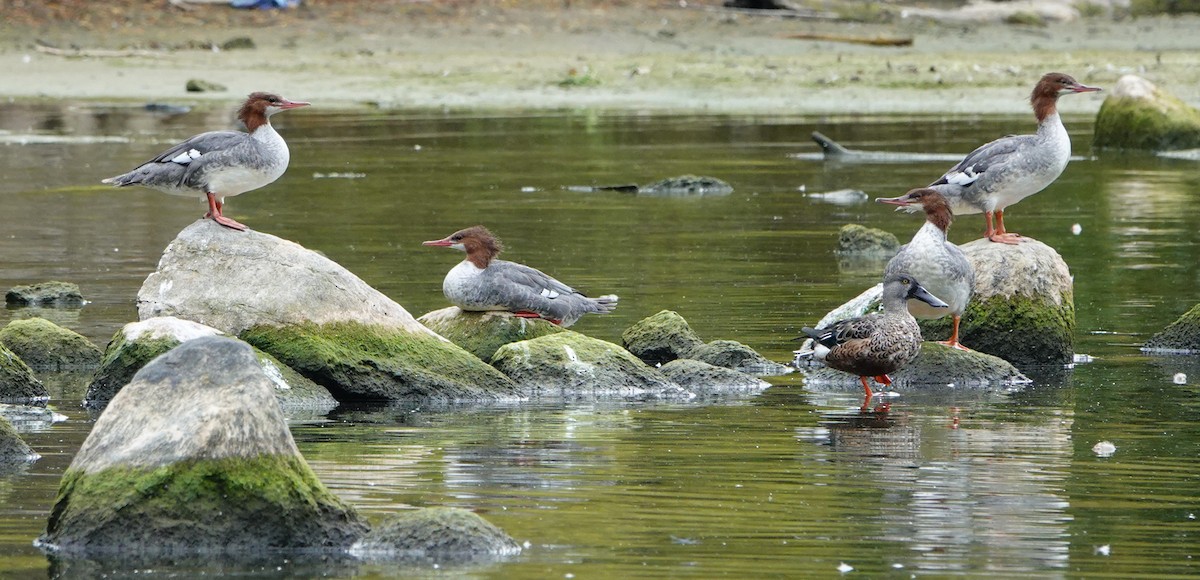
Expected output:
(790, 482)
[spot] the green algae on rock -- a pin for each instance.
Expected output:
(437, 533)
(732, 354)
(861, 241)
(13, 449)
(360, 362)
(571, 365)
(17, 383)
(703, 378)
(481, 333)
(53, 293)
(1179, 337)
(46, 346)
(936, 365)
(1140, 116)
(661, 338)
(194, 455)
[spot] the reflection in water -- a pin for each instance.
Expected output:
(789, 482)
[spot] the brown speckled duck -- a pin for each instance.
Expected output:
(878, 343)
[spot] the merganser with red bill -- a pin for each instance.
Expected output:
(220, 164)
(940, 265)
(879, 343)
(483, 282)
(1007, 170)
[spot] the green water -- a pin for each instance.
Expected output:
(788, 483)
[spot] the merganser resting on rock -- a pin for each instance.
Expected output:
(220, 164)
(940, 265)
(483, 282)
(878, 343)
(1009, 169)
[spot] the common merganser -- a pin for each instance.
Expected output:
(482, 282)
(220, 164)
(1009, 169)
(940, 265)
(879, 343)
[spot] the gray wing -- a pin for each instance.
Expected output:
(987, 156)
(202, 144)
(531, 280)
(176, 166)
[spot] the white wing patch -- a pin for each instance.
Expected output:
(964, 178)
(186, 157)
(548, 293)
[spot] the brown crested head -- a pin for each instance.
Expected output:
(259, 107)
(937, 209)
(479, 244)
(1044, 97)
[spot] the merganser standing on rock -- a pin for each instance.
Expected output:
(220, 164)
(1012, 168)
(940, 265)
(482, 282)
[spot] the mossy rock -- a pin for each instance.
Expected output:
(661, 338)
(46, 346)
(138, 343)
(937, 365)
(13, 449)
(1179, 337)
(570, 365)
(732, 354)
(437, 533)
(481, 333)
(686, 186)
(1139, 116)
(17, 383)
(359, 362)
(861, 241)
(51, 293)
(701, 377)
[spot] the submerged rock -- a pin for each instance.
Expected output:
(194, 456)
(46, 346)
(137, 343)
(571, 365)
(13, 449)
(1179, 337)
(861, 241)
(936, 365)
(481, 333)
(439, 533)
(51, 293)
(17, 383)
(686, 186)
(700, 377)
(312, 314)
(661, 338)
(1139, 115)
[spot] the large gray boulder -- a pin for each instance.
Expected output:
(138, 343)
(571, 365)
(440, 534)
(481, 333)
(195, 456)
(17, 383)
(661, 338)
(46, 346)
(1138, 115)
(314, 316)
(1179, 337)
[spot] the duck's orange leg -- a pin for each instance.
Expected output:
(214, 212)
(999, 234)
(953, 342)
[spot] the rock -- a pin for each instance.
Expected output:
(1023, 308)
(238, 43)
(1012, 12)
(856, 240)
(194, 456)
(701, 377)
(1179, 337)
(17, 383)
(737, 356)
(137, 343)
(936, 365)
(313, 315)
(13, 449)
(1138, 115)
(481, 333)
(45, 346)
(203, 86)
(439, 533)
(661, 338)
(570, 365)
(62, 294)
(686, 186)
(30, 417)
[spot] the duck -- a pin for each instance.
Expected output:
(220, 164)
(1007, 170)
(483, 282)
(877, 344)
(940, 265)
